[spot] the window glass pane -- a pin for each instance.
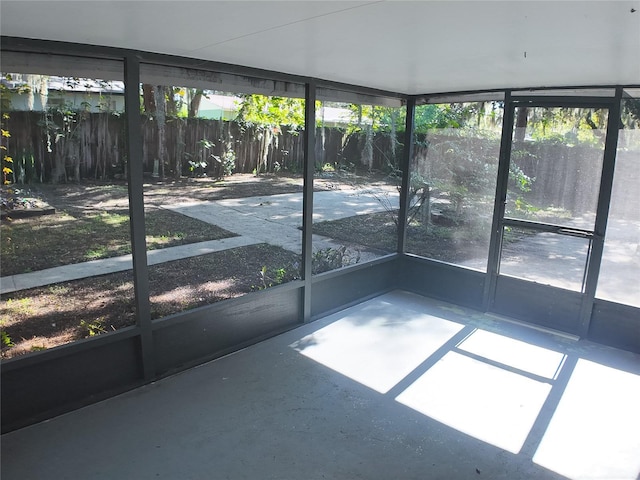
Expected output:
(453, 179)
(556, 162)
(356, 183)
(619, 279)
(544, 257)
(66, 264)
(223, 187)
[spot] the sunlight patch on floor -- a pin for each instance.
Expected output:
(514, 353)
(490, 386)
(594, 432)
(487, 402)
(377, 344)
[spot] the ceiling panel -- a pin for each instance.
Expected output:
(405, 46)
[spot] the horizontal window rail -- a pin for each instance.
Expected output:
(549, 227)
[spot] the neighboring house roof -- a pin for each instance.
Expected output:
(224, 102)
(219, 106)
(332, 116)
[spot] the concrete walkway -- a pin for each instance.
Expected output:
(277, 220)
(122, 263)
(272, 219)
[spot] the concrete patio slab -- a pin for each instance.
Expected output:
(356, 395)
(277, 219)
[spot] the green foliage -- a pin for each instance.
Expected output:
(96, 253)
(228, 161)
(8, 176)
(199, 161)
(270, 277)
(274, 112)
(430, 117)
(93, 328)
(322, 260)
(327, 259)
(266, 116)
(522, 181)
(631, 113)
(20, 305)
(567, 126)
(336, 167)
(5, 94)
(369, 123)
(5, 339)
(456, 152)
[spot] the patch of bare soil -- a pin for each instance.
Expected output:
(453, 243)
(53, 315)
(48, 316)
(205, 189)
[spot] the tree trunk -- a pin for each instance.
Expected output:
(148, 99)
(367, 150)
(521, 124)
(194, 103)
(161, 105)
(44, 91)
(394, 138)
(179, 146)
(59, 172)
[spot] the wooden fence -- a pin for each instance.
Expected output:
(60, 147)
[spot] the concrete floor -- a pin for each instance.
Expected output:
(398, 387)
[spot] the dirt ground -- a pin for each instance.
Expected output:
(52, 315)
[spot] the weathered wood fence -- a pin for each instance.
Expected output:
(61, 148)
(57, 148)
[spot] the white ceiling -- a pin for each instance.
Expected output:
(409, 47)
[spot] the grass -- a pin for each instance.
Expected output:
(53, 240)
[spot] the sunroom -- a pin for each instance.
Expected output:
(399, 237)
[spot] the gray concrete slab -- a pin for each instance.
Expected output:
(327, 205)
(396, 387)
(277, 219)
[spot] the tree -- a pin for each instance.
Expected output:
(194, 97)
(155, 105)
(371, 121)
(631, 112)
(267, 116)
(522, 114)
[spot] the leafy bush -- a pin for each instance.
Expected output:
(327, 259)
